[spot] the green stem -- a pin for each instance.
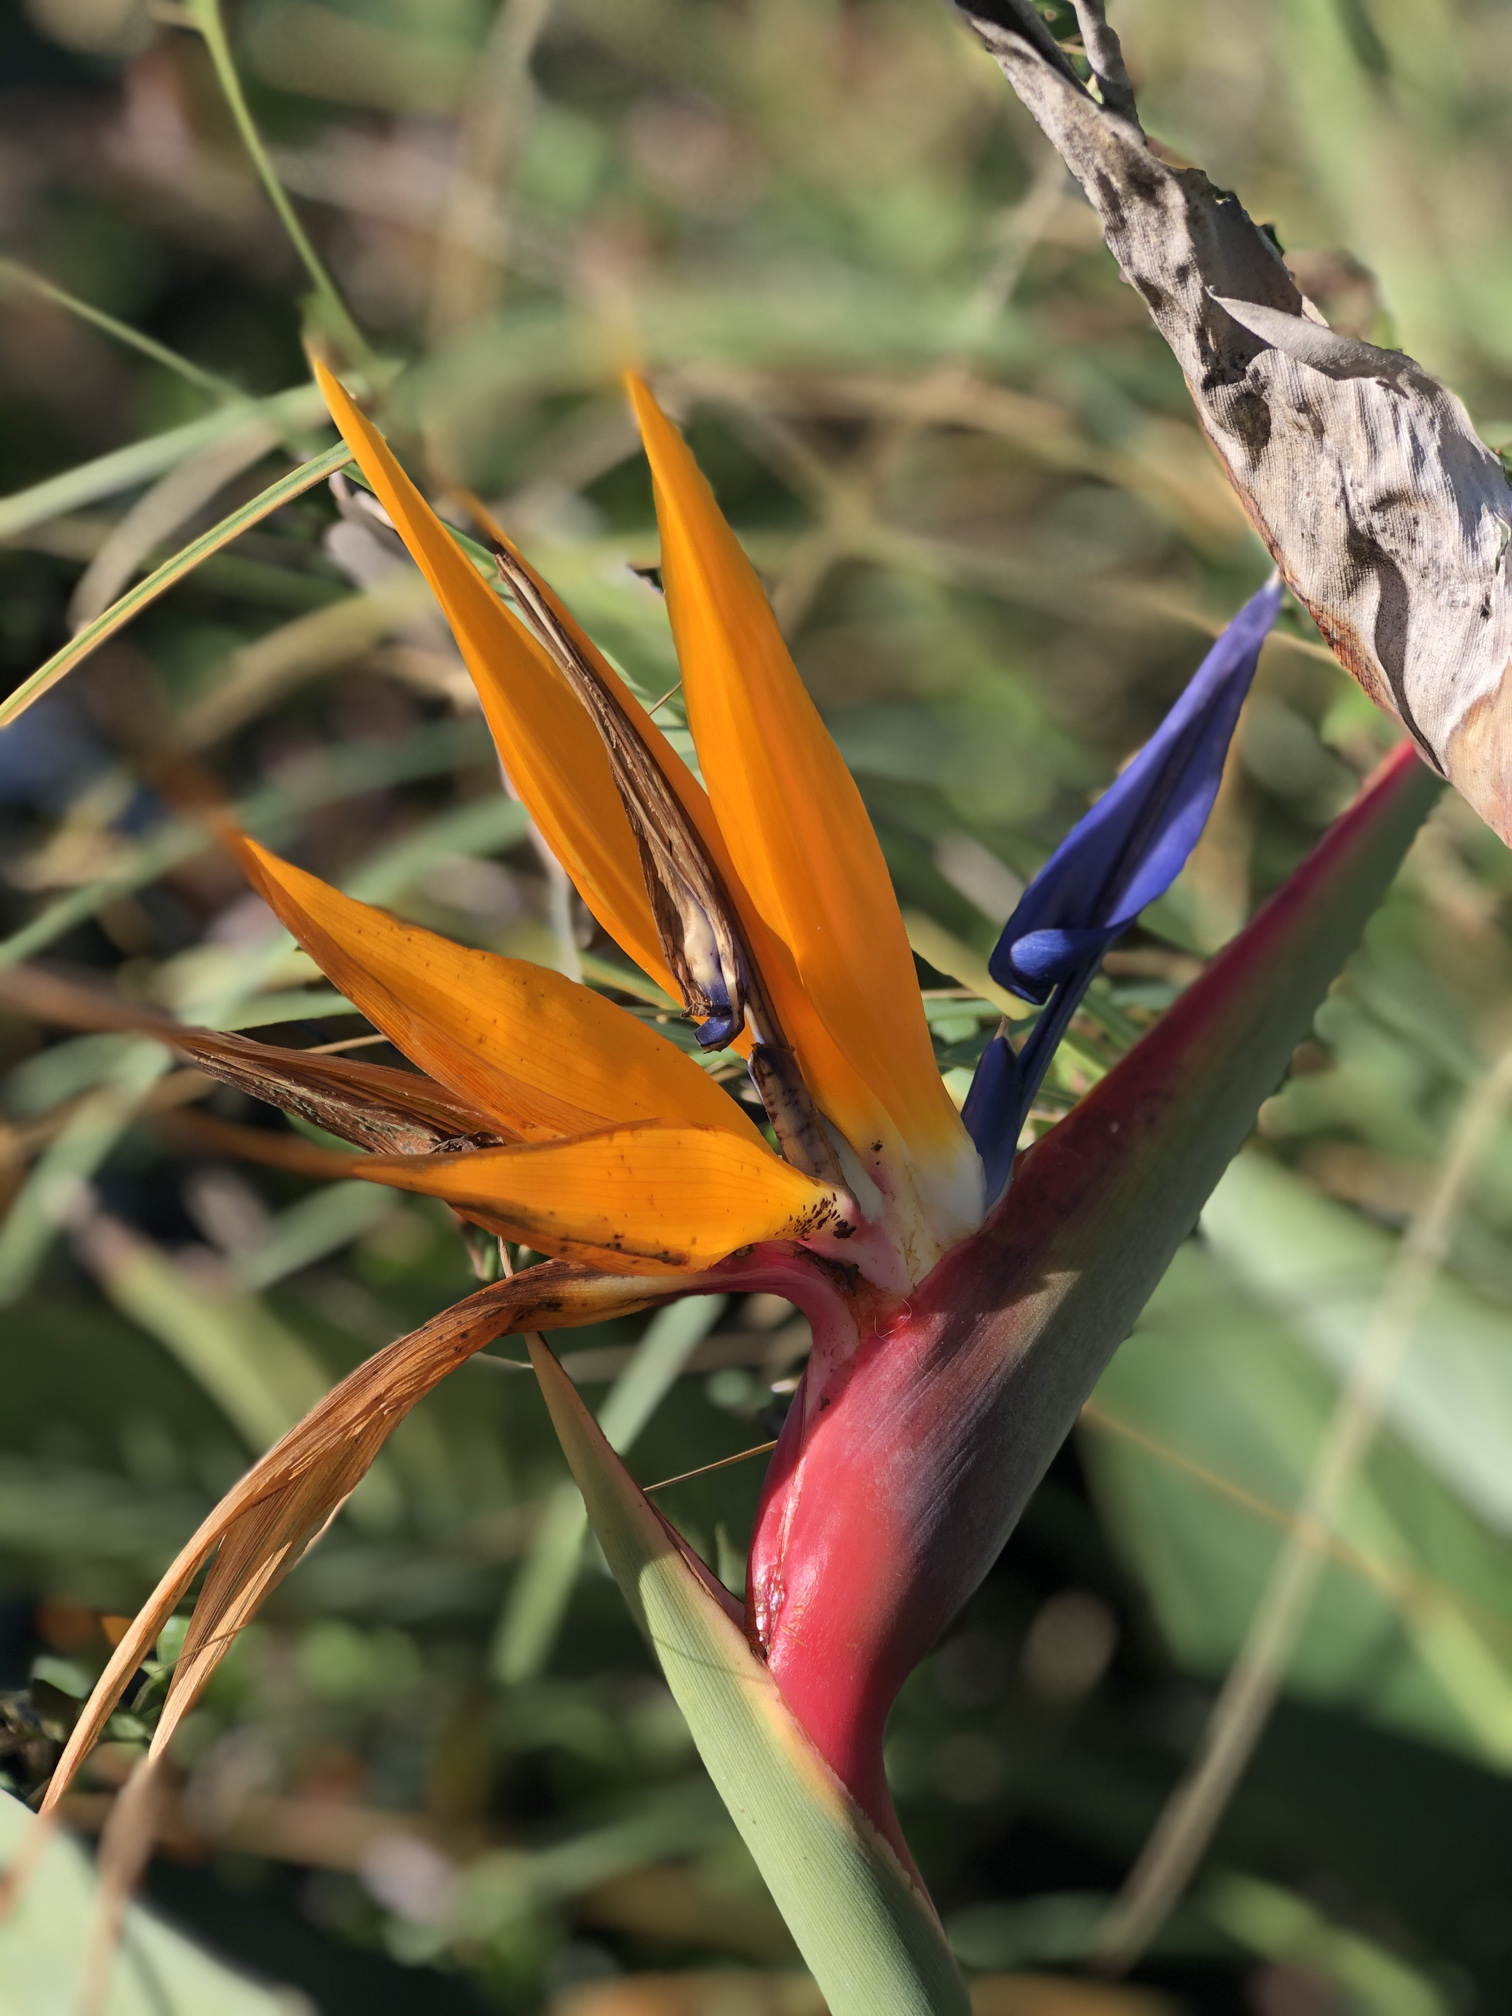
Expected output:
(14, 274)
(206, 17)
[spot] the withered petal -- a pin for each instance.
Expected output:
(262, 1526)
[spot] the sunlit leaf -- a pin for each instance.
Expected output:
(45, 1936)
(1199, 1441)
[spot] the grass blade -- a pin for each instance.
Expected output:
(291, 412)
(160, 512)
(13, 274)
(206, 17)
(305, 477)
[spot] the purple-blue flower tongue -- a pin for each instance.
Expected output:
(1128, 850)
(1134, 842)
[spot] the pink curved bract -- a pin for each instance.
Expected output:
(908, 1457)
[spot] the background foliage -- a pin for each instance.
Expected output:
(441, 1774)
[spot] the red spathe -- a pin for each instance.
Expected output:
(915, 1441)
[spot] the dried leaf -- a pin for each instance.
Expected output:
(261, 1527)
(1387, 515)
(391, 1112)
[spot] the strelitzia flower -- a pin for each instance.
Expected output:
(761, 902)
(956, 1333)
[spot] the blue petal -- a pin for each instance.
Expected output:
(1134, 842)
(1128, 850)
(1005, 1081)
(721, 1028)
(995, 1109)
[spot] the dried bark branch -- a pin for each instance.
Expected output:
(1386, 514)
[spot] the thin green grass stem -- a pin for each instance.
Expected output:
(14, 275)
(206, 16)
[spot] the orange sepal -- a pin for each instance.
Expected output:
(641, 1199)
(848, 1100)
(546, 741)
(789, 809)
(544, 1055)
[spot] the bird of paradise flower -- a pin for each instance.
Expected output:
(957, 1329)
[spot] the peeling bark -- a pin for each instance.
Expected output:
(1387, 515)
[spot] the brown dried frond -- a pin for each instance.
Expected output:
(267, 1521)
(373, 1105)
(1388, 517)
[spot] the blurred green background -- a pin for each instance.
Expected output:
(441, 1774)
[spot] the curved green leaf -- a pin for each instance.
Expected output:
(120, 612)
(539, 1595)
(158, 1972)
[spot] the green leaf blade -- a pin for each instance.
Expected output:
(131, 604)
(539, 1595)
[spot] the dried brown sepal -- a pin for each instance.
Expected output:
(1387, 515)
(694, 916)
(392, 1112)
(266, 1522)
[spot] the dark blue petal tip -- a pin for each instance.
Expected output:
(1124, 853)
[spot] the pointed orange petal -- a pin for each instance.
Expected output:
(835, 1085)
(788, 807)
(839, 1090)
(520, 689)
(542, 1054)
(638, 1199)
(547, 742)
(685, 787)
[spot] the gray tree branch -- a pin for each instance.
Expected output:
(1387, 515)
